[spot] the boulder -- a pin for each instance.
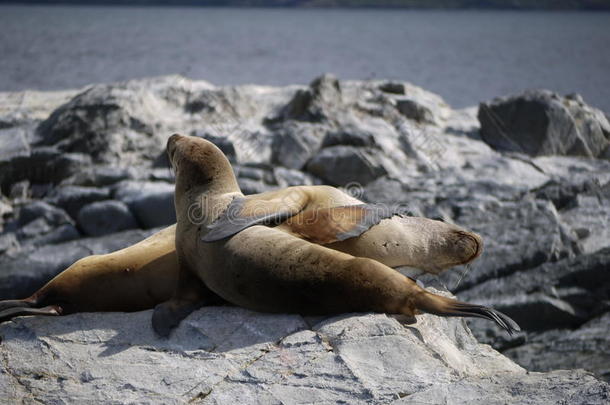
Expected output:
(62, 233)
(41, 165)
(105, 217)
(289, 177)
(54, 216)
(540, 122)
(341, 165)
(152, 203)
(314, 104)
(589, 218)
(293, 145)
(414, 110)
(392, 87)
(563, 294)
(112, 123)
(100, 176)
(8, 243)
(586, 347)
(6, 211)
(517, 236)
(349, 135)
(73, 198)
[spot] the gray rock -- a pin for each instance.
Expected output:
(152, 203)
(315, 104)
(228, 355)
(539, 122)
(99, 176)
(255, 172)
(293, 145)
(31, 267)
(564, 194)
(563, 294)
(62, 233)
(20, 191)
(517, 236)
(572, 387)
(73, 198)
(34, 228)
(41, 165)
(414, 110)
(586, 347)
(109, 122)
(105, 217)
(250, 186)
(392, 87)
(352, 136)
(6, 211)
(574, 170)
(8, 243)
(40, 223)
(39, 209)
(341, 165)
(386, 190)
(287, 177)
(589, 218)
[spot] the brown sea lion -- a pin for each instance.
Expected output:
(131, 279)
(221, 249)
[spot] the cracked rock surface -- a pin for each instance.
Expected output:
(222, 355)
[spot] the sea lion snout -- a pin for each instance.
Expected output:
(469, 246)
(171, 146)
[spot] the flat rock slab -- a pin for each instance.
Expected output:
(228, 355)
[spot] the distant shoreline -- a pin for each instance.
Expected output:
(524, 5)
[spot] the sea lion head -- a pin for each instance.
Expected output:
(452, 245)
(199, 165)
(203, 173)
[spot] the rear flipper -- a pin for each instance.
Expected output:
(443, 306)
(11, 312)
(6, 304)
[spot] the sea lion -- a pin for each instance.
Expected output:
(142, 276)
(275, 269)
(131, 279)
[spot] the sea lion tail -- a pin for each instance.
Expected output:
(10, 313)
(29, 306)
(443, 306)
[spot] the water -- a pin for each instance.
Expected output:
(465, 56)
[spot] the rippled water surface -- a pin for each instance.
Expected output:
(466, 56)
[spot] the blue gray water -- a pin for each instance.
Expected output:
(466, 56)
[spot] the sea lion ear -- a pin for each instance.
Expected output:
(328, 225)
(263, 209)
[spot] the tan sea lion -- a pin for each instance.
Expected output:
(131, 279)
(222, 249)
(142, 276)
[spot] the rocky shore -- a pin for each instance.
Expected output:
(84, 172)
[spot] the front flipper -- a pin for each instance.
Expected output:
(190, 295)
(328, 225)
(265, 208)
(169, 314)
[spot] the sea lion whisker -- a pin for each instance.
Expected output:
(467, 267)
